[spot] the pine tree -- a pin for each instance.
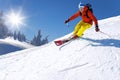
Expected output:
(23, 37)
(20, 36)
(3, 29)
(33, 42)
(15, 35)
(44, 41)
(37, 41)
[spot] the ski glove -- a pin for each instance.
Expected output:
(97, 29)
(66, 21)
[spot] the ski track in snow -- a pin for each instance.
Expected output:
(74, 67)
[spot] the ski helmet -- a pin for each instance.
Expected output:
(81, 5)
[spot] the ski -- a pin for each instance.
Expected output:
(63, 45)
(60, 42)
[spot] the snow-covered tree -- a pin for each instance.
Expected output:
(3, 28)
(15, 35)
(34, 40)
(37, 40)
(19, 36)
(44, 41)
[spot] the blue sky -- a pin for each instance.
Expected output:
(49, 15)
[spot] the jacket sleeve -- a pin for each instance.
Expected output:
(90, 14)
(75, 16)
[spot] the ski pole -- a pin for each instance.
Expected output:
(105, 33)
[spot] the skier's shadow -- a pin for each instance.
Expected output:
(104, 42)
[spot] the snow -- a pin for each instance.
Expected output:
(8, 45)
(95, 56)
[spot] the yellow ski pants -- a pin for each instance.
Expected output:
(80, 28)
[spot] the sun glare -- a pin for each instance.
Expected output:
(15, 20)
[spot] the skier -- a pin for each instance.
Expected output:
(86, 13)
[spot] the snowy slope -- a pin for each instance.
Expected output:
(10, 45)
(96, 56)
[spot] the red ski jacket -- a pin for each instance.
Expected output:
(87, 16)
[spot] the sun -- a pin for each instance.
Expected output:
(15, 20)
